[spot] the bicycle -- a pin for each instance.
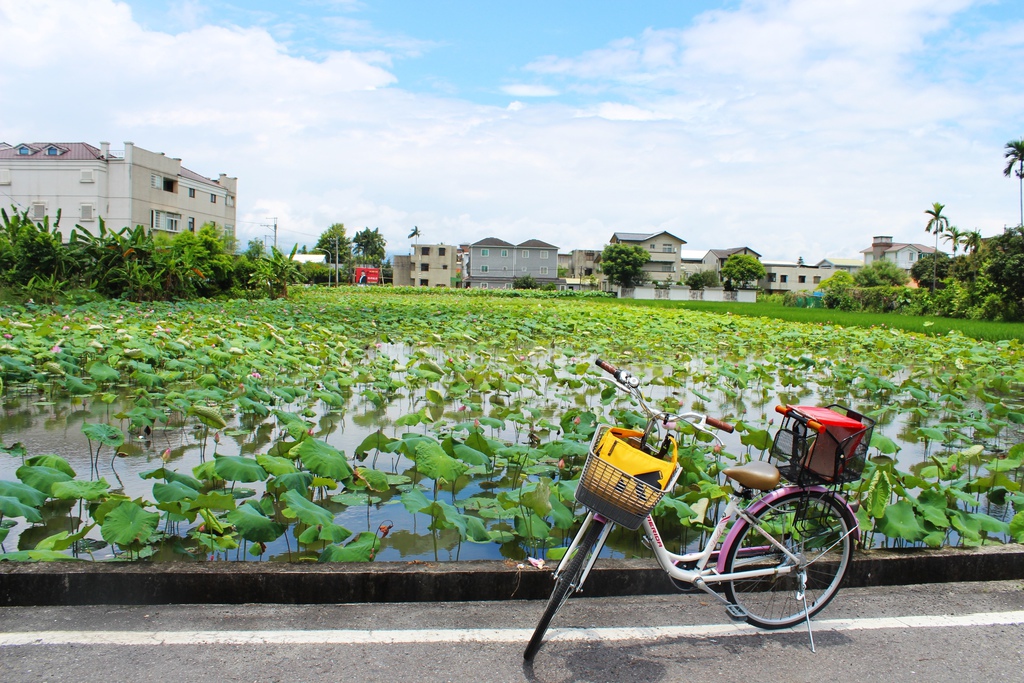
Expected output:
(780, 550)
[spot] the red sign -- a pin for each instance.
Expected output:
(366, 276)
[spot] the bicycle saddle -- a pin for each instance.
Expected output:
(756, 474)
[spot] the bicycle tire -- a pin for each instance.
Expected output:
(815, 527)
(565, 586)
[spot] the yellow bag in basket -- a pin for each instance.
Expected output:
(617, 452)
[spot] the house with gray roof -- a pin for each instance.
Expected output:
(903, 254)
(493, 263)
(663, 247)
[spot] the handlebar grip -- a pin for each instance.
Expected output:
(782, 409)
(606, 366)
(816, 426)
(718, 424)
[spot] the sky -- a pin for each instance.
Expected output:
(798, 128)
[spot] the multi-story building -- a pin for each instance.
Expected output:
(664, 250)
(493, 263)
(716, 258)
(429, 265)
(126, 188)
(789, 276)
(903, 254)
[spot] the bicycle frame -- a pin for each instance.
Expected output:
(703, 572)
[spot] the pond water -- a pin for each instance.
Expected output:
(177, 441)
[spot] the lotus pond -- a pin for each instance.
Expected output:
(359, 424)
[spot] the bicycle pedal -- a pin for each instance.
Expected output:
(736, 613)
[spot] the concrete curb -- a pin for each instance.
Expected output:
(88, 583)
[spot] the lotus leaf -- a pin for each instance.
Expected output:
(323, 459)
(128, 523)
(24, 493)
(41, 478)
(80, 490)
(239, 468)
(13, 507)
(104, 434)
(362, 549)
(53, 461)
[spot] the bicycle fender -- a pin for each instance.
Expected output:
(764, 502)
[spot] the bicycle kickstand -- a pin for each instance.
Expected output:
(801, 595)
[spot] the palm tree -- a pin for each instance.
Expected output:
(972, 241)
(937, 224)
(954, 237)
(369, 245)
(1015, 156)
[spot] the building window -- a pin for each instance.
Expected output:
(444, 266)
(424, 267)
(192, 193)
(155, 181)
(801, 279)
(86, 212)
(544, 254)
(504, 253)
(771, 277)
(424, 283)
(191, 224)
(668, 249)
(483, 285)
(424, 251)
(24, 151)
(5, 176)
(526, 254)
(817, 279)
(52, 151)
(910, 256)
(38, 211)
(485, 252)
(440, 251)
(483, 269)
(652, 246)
(213, 199)
(87, 176)
(543, 270)
(667, 268)
(784, 279)
(169, 185)
(229, 201)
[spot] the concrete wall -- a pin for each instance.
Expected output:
(683, 293)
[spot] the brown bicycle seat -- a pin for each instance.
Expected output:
(756, 474)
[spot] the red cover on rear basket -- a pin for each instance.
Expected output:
(840, 427)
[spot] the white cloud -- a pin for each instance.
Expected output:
(798, 128)
(527, 90)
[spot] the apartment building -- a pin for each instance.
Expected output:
(428, 265)
(493, 263)
(664, 249)
(126, 188)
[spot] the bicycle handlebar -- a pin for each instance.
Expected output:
(718, 424)
(811, 424)
(632, 384)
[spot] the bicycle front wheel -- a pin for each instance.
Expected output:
(565, 585)
(816, 528)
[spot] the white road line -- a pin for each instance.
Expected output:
(385, 637)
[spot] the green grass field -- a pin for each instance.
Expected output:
(932, 325)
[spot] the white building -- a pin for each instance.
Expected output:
(903, 254)
(663, 248)
(126, 188)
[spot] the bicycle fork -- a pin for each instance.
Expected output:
(595, 551)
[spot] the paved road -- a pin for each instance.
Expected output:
(937, 632)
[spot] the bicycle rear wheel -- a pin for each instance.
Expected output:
(565, 585)
(813, 526)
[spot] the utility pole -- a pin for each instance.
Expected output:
(337, 279)
(271, 225)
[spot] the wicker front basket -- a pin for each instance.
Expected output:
(615, 494)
